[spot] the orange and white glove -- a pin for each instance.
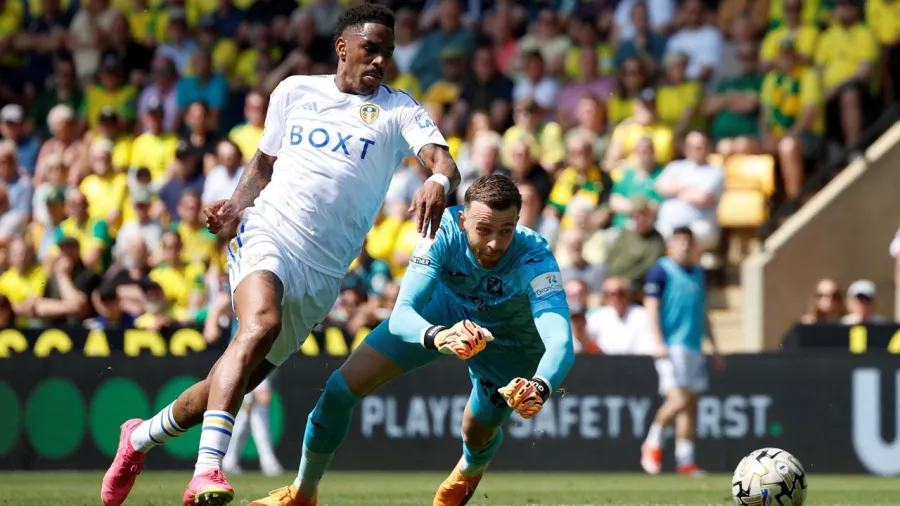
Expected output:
(527, 397)
(465, 339)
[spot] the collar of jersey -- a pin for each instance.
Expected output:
(350, 96)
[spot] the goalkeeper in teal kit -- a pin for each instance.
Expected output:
(485, 290)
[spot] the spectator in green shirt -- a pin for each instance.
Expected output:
(636, 181)
(734, 107)
(62, 89)
(637, 247)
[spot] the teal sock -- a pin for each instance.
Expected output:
(326, 429)
(475, 460)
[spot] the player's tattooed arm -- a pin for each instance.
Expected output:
(438, 159)
(430, 201)
(256, 176)
(222, 216)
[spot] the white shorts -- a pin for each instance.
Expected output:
(308, 294)
(683, 368)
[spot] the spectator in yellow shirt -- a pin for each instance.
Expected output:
(383, 234)
(181, 282)
(446, 91)
(247, 135)
(678, 98)
(846, 56)
(158, 312)
(11, 16)
(804, 35)
(224, 51)
(247, 70)
(630, 81)
(813, 12)
(584, 181)
(111, 90)
(111, 128)
(644, 122)
(406, 82)
(199, 245)
(104, 188)
(791, 119)
(154, 149)
(24, 279)
(147, 22)
(545, 138)
(92, 235)
(883, 17)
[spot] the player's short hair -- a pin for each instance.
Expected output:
(495, 191)
(358, 15)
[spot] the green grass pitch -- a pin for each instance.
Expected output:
(417, 489)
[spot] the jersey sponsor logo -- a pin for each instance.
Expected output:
(546, 284)
(369, 113)
(420, 260)
(423, 120)
(336, 142)
(494, 286)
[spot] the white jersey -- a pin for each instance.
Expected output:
(336, 154)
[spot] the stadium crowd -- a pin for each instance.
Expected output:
(619, 119)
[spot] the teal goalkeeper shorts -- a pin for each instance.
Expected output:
(490, 370)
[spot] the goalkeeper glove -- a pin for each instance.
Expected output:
(465, 339)
(527, 397)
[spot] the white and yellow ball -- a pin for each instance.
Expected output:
(769, 477)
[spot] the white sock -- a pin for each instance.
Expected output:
(156, 430)
(238, 439)
(312, 467)
(262, 435)
(214, 440)
(684, 452)
(655, 435)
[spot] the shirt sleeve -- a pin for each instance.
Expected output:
(868, 47)
(810, 89)
(406, 320)
(555, 329)
(273, 130)
(416, 126)
(769, 50)
(655, 283)
(543, 283)
(429, 255)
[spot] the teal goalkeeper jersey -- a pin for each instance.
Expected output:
(505, 299)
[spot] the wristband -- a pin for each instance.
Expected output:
(442, 180)
(431, 333)
(542, 387)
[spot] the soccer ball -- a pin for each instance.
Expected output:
(769, 477)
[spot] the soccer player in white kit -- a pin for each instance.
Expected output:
(299, 217)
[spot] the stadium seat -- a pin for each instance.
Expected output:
(749, 182)
(742, 208)
(751, 172)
